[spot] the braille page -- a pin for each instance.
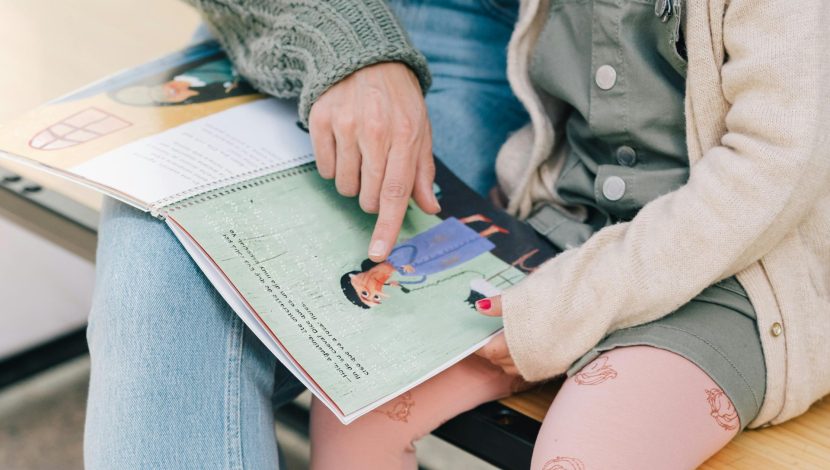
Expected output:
(285, 243)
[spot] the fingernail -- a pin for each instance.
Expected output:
(484, 304)
(378, 248)
(435, 200)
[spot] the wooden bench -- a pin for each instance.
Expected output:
(503, 434)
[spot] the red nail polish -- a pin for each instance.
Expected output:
(484, 304)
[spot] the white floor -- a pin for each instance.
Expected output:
(41, 427)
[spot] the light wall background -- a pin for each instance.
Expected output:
(49, 48)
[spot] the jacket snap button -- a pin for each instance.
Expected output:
(606, 77)
(626, 156)
(614, 188)
(663, 9)
(776, 329)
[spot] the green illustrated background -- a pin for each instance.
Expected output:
(285, 240)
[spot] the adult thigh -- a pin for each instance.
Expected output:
(177, 380)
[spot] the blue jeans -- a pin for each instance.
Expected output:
(471, 106)
(177, 380)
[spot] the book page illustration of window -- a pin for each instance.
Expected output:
(81, 127)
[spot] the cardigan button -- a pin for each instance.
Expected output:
(776, 329)
(606, 77)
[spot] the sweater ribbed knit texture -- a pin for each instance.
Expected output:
(300, 48)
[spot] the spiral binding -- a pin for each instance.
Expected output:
(159, 207)
(240, 186)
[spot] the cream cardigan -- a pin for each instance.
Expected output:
(757, 202)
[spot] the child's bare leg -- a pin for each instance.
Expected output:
(642, 407)
(385, 438)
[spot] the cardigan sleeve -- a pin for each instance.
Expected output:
(743, 197)
(300, 48)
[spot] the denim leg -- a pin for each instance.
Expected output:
(471, 105)
(177, 380)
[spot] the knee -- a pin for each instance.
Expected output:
(138, 307)
(158, 331)
(148, 291)
(388, 428)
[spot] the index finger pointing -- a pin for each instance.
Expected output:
(394, 198)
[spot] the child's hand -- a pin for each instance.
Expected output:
(496, 350)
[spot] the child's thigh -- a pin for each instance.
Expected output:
(419, 411)
(650, 408)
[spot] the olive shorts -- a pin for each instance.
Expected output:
(716, 330)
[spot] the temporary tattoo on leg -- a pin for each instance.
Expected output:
(564, 463)
(400, 409)
(722, 410)
(596, 372)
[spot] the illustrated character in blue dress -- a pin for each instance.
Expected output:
(442, 247)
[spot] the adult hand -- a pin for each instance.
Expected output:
(496, 350)
(371, 133)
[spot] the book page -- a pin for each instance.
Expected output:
(295, 251)
(240, 143)
(176, 126)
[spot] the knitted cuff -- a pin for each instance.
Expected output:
(289, 48)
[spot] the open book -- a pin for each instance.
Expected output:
(232, 174)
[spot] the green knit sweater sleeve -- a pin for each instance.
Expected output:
(290, 48)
